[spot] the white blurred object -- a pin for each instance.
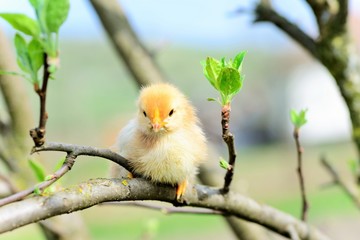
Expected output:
(312, 87)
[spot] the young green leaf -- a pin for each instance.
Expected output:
(229, 83)
(237, 63)
(298, 119)
(212, 69)
(59, 163)
(22, 53)
(36, 54)
(56, 14)
(36, 3)
(224, 164)
(12, 73)
(353, 166)
(38, 170)
(37, 190)
(22, 23)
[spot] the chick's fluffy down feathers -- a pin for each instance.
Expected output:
(164, 142)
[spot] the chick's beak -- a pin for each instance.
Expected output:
(156, 126)
(156, 123)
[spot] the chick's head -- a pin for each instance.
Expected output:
(163, 108)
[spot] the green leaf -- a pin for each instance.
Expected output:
(298, 119)
(59, 163)
(237, 63)
(36, 54)
(12, 73)
(229, 83)
(37, 190)
(56, 14)
(38, 169)
(211, 99)
(353, 166)
(22, 23)
(224, 164)
(212, 69)
(36, 3)
(49, 177)
(22, 53)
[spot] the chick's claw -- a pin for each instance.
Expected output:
(180, 190)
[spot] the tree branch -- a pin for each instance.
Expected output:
(97, 191)
(229, 140)
(348, 189)
(18, 107)
(77, 150)
(69, 162)
(135, 56)
(38, 133)
(167, 210)
(264, 13)
(299, 151)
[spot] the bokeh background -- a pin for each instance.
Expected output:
(94, 96)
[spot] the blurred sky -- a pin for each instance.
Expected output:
(200, 23)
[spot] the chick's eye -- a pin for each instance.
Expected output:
(171, 112)
(144, 114)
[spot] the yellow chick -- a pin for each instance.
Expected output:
(164, 142)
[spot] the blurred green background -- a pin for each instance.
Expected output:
(94, 96)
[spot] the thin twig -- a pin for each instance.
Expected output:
(229, 140)
(168, 210)
(8, 182)
(6, 160)
(299, 150)
(77, 150)
(38, 133)
(69, 162)
(349, 190)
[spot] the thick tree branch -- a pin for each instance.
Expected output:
(167, 210)
(14, 93)
(135, 56)
(349, 190)
(97, 191)
(264, 13)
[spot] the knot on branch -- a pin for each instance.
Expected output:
(225, 118)
(38, 136)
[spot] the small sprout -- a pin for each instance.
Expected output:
(38, 170)
(298, 119)
(49, 177)
(353, 166)
(59, 163)
(37, 191)
(224, 164)
(225, 76)
(124, 182)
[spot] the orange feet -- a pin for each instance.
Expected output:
(130, 175)
(180, 190)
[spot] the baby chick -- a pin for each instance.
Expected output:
(164, 142)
